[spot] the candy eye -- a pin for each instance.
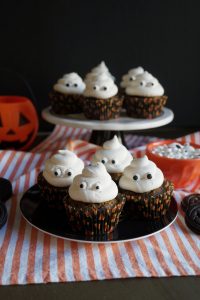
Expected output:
(113, 161)
(151, 83)
(67, 84)
(69, 173)
(97, 186)
(57, 172)
(83, 185)
(136, 177)
(94, 87)
(75, 85)
(149, 176)
(104, 160)
(131, 78)
(104, 88)
(142, 83)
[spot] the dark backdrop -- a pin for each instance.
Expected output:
(44, 39)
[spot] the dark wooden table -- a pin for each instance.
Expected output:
(172, 288)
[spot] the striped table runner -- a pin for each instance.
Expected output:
(30, 256)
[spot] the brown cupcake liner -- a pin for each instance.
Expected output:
(102, 109)
(52, 195)
(93, 219)
(151, 205)
(65, 104)
(144, 107)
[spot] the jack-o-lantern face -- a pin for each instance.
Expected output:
(18, 122)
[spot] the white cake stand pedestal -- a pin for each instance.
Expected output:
(105, 130)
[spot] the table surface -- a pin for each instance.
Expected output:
(136, 288)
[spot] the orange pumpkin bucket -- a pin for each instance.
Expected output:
(18, 122)
(182, 172)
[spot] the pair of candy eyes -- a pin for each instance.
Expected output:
(137, 177)
(68, 84)
(104, 88)
(104, 161)
(142, 83)
(83, 185)
(58, 173)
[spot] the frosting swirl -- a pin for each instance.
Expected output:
(101, 86)
(145, 85)
(94, 185)
(70, 83)
(130, 76)
(113, 155)
(141, 176)
(98, 70)
(62, 167)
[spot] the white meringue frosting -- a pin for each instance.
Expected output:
(62, 167)
(113, 155)
(130, 76)
(94, 185)
(144, 85)
(98, 70)
(70, 83)
(141, 176)
(101, 86)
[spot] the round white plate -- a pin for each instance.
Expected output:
(121, 124)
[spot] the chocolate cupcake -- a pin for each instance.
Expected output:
(144, 97)
(101, 100)
(93, 206)
(57, 176)
(66, 96)
(114, 156)
(145, 189)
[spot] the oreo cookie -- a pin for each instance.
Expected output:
(192, 218)
(190, 200)
(3, 214)
(5, 189)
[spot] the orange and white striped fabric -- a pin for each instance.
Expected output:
(30, 256)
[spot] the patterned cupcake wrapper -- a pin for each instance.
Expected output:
(102, 109)
(65, 104)
(53, 196)
(144, 107)
(152, 205)
(93, 219)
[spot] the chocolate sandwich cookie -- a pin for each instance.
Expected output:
(3, 214)
(190, 200)
(5, 189)
(192, 218)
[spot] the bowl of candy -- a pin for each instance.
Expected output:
(180, 162)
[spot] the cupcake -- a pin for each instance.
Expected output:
(144, 97)
(66, 96)
(57, 176)
(114, 156)
(101, 101)
(98, 70)
(130, 76)
(93, 206)
(145, 189)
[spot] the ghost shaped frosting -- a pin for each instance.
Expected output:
(70, 83)
(97, 71)
(144, 85)
(102, 87)
(141, 176)
(113, 155)
(130, 76)
(94, 185)
(62, 167)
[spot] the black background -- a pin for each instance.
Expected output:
(42, 40)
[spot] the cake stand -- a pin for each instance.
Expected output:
(105, 130)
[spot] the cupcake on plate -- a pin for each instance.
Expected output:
(144, 97)
(66, 96)
(130, 76)
(98, 70)
(93, 206)
(101, 100)
(145, 188)
(57, 176)
(114, 156)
